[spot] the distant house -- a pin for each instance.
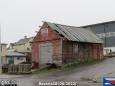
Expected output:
(61, 44)
(3, 53)
(15, 57)
(22, 46)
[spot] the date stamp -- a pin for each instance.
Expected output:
(55, 83)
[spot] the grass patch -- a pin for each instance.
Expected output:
(75, 65)
(44, 70)
(66, 67)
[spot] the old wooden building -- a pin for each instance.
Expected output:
(60, 44)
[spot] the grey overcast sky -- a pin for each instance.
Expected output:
(22, 17)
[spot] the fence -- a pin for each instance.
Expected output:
(19, 69)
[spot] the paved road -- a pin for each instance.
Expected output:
(84, 76)
(88, 74)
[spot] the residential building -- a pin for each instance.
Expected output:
(23, 46)
(15, 57)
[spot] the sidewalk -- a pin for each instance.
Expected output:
(11, 76)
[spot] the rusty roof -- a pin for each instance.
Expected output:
(73, 33)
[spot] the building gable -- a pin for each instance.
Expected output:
(46, 33)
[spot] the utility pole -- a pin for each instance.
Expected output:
(0, 52)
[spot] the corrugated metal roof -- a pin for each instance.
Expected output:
(98, 23)
(3, 44)
(73, 33)
(12, 53)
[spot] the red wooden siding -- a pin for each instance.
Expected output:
(51, 37)
(64, 51)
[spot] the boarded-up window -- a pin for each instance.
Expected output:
(44, 32)
(75, 50)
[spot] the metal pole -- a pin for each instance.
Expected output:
(0, 47)
(0, 52)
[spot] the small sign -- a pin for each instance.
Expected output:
(109, 81)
